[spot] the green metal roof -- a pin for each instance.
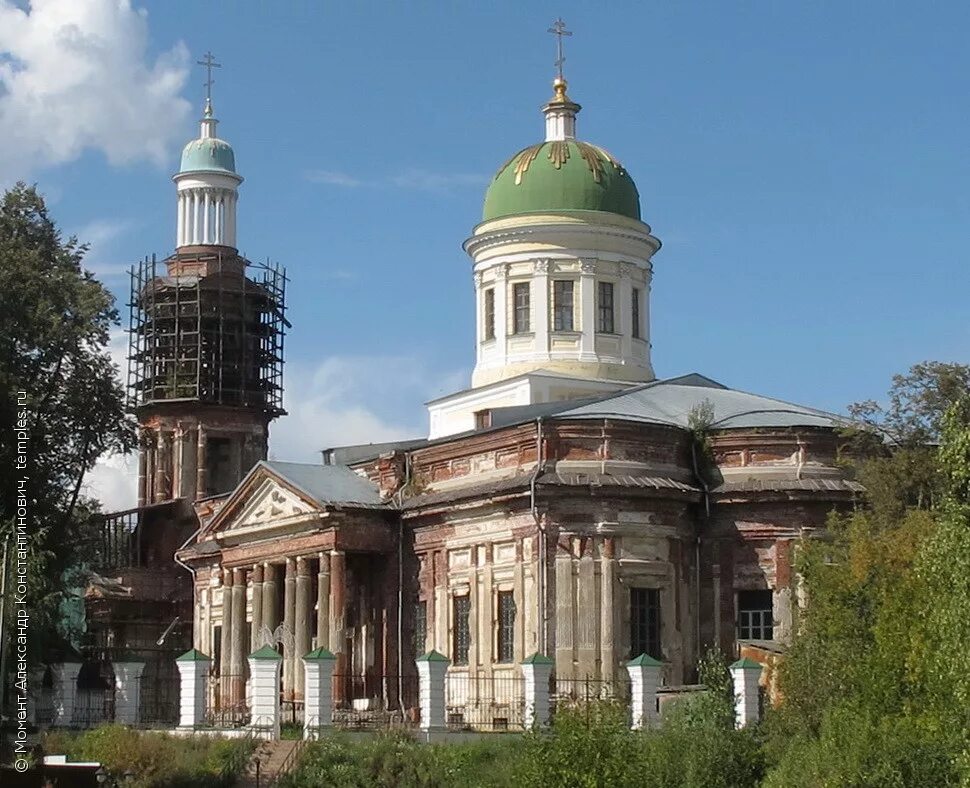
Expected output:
(193, 655)
(432, 656)
(561, 175)
(747, 664)
(538, 659)
(319, 655)
(208, 155)
(266, 652)
(645, 660)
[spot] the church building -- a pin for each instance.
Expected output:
(568, 503)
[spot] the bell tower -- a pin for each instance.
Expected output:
(205, 364)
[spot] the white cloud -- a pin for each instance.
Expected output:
(114, 482)
(332, 178)
(75, 75)
(413, 179)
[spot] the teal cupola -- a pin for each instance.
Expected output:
(207, 184)
(208, 153)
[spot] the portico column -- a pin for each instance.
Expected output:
(238, 644)
(196, 217)
(323, 603)
(257, 576)
(540, 297)
(225, 639)
(289, 616)
(270, 615)
(587, 310)
(607, 575)
(301, 635)
(338, 565)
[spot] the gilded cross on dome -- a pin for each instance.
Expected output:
(558, 29)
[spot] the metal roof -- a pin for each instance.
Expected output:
(327, 484)
(671, 401)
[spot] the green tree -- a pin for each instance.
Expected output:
(58, 380)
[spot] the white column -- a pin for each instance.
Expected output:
(746, 674)
(479, 314)
(206, 203)
(217, 217)
(193, 668)
(65, 691)
(196, 217)
(624, 314)
(180, 219)
(587, 310)
(231, 219)
(432, 673)
(540, 298)
(318, 689)
(127, 691)
(501, 313)
(264, 671)
(536, 671)
(644, 679)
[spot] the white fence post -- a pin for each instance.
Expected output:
(536, 671)
(193, 668)
(127, 691)
(318, 692)
(433, 672)
(264, 671)
(65, 692)
(746, 674)
(644, 679)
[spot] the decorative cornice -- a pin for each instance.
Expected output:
(541, 266)
(588, 266)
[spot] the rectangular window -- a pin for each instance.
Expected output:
(520, 292)
(420, 627)
(489, 314)
(562, 306)
(636, 312)
(645, 623)
(506, 626)
(461, 605)
(755, 615)
(605, 323)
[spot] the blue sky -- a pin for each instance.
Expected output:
(804, 164)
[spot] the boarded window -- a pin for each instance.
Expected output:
(645, 623)
(635, 311)
(562, 309)
(520, 293)
(605, 308)
(755, 617)
(489, 311)
(506, 626)
(461, 634)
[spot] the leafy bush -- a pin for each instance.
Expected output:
(393, 760)
(157, 760)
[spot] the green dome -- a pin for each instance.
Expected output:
(561, 175)
(208, 155)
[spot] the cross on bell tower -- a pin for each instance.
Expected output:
(208, 62)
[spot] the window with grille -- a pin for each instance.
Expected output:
(489, 313)
(562, 306)
(506, 626)
(520, 295)
(635, 310)
(461, 634)
(420, 627)
(605, 308)
(755, 616)
(645, 622)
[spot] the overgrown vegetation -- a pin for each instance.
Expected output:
(157, 760)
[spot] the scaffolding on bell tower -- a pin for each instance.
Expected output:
(209, 329)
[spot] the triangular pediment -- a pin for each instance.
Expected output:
(268, 504)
